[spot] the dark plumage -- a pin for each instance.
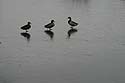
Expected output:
(50, 25)
(71, 31)
(72, 23)
(49, 33)
(26, 27)
(26, 35)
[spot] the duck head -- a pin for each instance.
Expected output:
(52, 21)
(69, 18)
(29, 23)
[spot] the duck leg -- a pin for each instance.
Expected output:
(50, 29)
(26, 31)
(71, 27)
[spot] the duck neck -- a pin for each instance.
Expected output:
(28, 23)
(69, 19)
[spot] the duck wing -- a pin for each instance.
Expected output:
(26, 27)
(50, 25)
(73, 23)
(23, 27)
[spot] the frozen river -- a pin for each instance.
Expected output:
(94, 53)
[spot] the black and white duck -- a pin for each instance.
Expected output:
(26, 27)
(72, 23)
(50, 25)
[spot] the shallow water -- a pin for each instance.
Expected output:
(95, 53)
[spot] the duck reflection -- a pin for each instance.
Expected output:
(26, 35)
(49, 33)
(71, 31)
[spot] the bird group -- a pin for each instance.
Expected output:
(50, 25)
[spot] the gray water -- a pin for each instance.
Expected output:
(94, 54)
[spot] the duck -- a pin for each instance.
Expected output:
(50, 25)
(27, 26)
(72, 23)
